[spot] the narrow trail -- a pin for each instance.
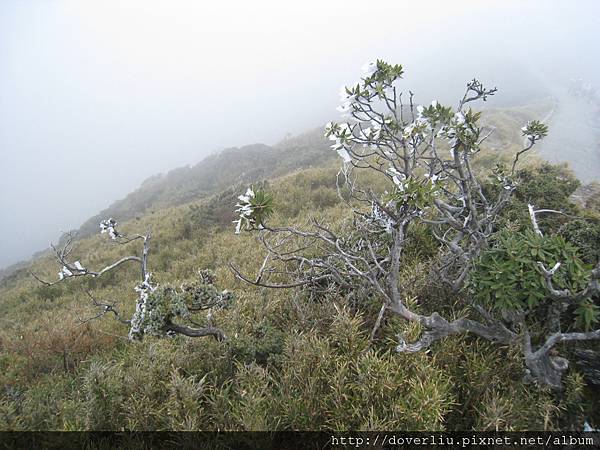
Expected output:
(574, 136)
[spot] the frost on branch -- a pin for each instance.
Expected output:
(160, 306)
(244, 209)
(159, 310)
(140, 319)
(535, 130)
(64, 272)
(253, 208)
(340, 134)
(109, 226)
(422, 155)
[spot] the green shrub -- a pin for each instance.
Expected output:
(506, 277)
(545, 186)
(585, 235)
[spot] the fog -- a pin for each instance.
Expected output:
(97, 96)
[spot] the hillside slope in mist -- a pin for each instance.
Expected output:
(230, 167)
(294, 359)
(575, 134)
(217, 172)
(235, 168)
(252, 163)
(255, 162)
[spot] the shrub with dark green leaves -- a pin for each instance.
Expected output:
(547, 186)
(507, 277)
(585, 235)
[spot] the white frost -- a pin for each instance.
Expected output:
(344, 154)
(369, 68)
(459, 118)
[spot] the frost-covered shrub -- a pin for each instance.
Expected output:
(161, 306)
(423, 155)
(157, 308)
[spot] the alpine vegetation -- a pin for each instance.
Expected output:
(159, 310)
(408, 166)
(253, 208)
(443, 278)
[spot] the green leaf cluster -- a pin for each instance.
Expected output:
(262, 206)
(385, 74)
(414, 193)
(163, 305)
(507, 277)
(437, 114)
(535, 130)
(467, 132)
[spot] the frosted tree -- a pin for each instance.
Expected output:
(423, 154)
(160, 310)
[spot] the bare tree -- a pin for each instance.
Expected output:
(159, 309)
(424, 155)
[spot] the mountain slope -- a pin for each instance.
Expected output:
(252, 163)
(290, 356)
(247, 164)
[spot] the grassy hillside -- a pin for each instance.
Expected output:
(241, 166)
(217, 172)
(292, 360)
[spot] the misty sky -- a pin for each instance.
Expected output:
(95, 96)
